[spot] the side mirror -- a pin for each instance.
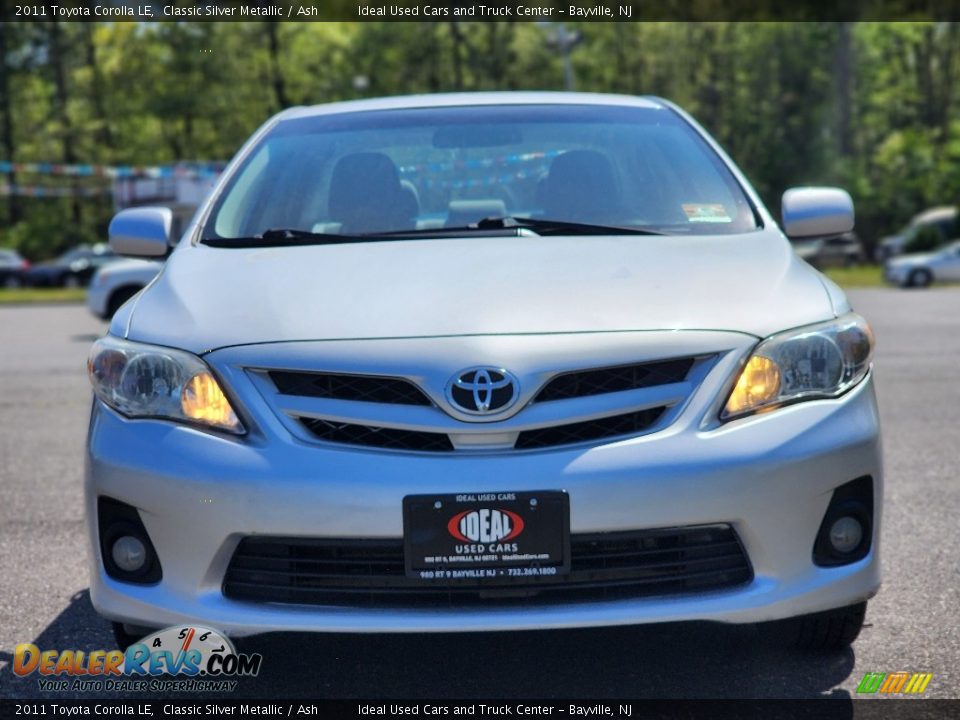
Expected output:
(816, 211)
(141, 232)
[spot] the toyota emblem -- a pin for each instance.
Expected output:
(483, 390)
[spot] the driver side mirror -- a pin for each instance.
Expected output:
(141, 232)
(816, 212)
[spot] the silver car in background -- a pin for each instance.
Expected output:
(116, 283)
(485, 362)
(922, 269)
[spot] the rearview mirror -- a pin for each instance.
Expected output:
(476, 136)
(141, 232)
(816, 211)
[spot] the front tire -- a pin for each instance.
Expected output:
(920, 279)
(829, 630)
(118, 298)
(71, 281)
(126, 635)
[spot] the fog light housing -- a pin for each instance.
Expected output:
(128, 553)
(846, 532)
(125, 548)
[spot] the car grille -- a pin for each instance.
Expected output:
(354, 572)
(389, 438)
(599, 429)
(615, 379)
(415, 440)
(394, 413)
(367, 388)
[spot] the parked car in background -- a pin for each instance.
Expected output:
(75, 268)
(942, 220)
(116, 283)
(921, 269)
(12, 268)
(837, 251)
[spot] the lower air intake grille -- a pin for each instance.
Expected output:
(350, 572)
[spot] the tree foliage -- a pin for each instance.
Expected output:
(869, 106)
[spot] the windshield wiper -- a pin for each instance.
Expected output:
(506, 225)
(541, 226)
(285, 237)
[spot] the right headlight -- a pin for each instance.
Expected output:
(808, 363)
(149, 381)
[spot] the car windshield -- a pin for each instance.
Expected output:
(426, 169)
(79, 253)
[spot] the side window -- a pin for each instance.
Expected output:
(946, 228)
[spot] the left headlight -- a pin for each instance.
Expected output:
(816, 361)
(149, 381)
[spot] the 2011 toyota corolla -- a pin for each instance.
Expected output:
(485, 362)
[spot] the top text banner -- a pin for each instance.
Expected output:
(488, 10)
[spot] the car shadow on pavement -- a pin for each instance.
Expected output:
(77, 627)
(677, 660)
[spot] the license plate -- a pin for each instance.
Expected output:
(486, 536)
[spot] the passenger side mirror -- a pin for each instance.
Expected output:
(141, 232)
(816, 212)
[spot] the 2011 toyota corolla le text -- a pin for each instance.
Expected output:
(485, 362)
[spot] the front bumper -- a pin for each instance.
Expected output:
(97, 297)
(770, 476)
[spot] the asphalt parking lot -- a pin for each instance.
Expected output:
(912, 623)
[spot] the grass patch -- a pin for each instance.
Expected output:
(41, 295)
(859, 276)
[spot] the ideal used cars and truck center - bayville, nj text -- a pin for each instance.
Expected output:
(252, 11)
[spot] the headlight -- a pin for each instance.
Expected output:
(143, 381)
(817, 361)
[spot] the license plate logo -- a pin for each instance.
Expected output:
(485, 525)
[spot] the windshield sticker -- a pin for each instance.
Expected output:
(711, 213)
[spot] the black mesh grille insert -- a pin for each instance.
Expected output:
(391, 438)
(395, 391)
(628, 424)
(640, 563)
(615, 379)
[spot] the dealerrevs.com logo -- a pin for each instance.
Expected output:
(199, 658)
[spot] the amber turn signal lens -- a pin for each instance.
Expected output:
(203, 400)
(759, 383)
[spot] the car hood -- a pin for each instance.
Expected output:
(207, 298)
(123, 269)
(912, 259)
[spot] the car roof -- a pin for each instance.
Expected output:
(931, 215)
(439, 100)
